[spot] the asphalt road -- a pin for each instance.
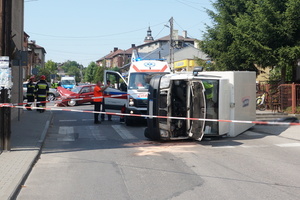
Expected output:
(81, 160)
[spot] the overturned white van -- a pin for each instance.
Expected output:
(191, 105)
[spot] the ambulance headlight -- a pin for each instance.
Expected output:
(131, 102)
(164, 133)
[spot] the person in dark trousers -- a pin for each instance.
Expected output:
(30, 93)
(103, 107)
(41, 91)
(98, 94)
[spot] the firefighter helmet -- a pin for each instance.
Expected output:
(43, 77)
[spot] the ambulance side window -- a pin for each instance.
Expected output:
(116, 81)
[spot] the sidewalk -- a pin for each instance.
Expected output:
(27, 137)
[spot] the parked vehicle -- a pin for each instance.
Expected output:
(71, 97)
(84, 93)
(68, 82)
(137, 84)
(52, 94)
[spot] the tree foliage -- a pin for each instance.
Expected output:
(257, 32)
(51, 66)
(90, 72)
(72, 68)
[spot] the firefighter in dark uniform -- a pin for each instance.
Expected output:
(41, 91)
(30, 93)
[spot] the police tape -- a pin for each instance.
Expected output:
(103, 97)
(156, 116)
(91, 98)
(59, 101)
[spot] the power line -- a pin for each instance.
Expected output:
(191, 6)
(93, 37)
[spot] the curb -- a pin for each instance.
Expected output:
(39, 145)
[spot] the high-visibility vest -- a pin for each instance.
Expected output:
(97, 93)
(208, 90)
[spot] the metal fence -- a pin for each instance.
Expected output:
(281, 98)
(290, 97)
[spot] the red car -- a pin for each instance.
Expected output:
(78, 95)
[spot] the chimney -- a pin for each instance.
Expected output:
(184, 34)
(132, 45)
(115, 49)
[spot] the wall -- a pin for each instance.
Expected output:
(17, 71)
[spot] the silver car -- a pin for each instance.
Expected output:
(52, 94)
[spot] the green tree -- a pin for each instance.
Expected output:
(258, 32)
(89, 72)
(43, 71)
(98, 74)
(51, 66)
(72, 68)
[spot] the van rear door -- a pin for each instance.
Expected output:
(197, 110)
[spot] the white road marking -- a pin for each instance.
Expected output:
(96, 133)
(223, 147)
(67, 132)
(289, 145)
(68, 120)
(258, 146)
(254, 146)
(85, 120)
(123, 132)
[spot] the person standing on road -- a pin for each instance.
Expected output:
(41, 91)
(103, 106)
(30, 93)
(98, 94)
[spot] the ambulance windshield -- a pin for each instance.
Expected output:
(141, 80)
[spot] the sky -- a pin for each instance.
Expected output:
(87, 30)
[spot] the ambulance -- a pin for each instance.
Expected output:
(198, 104)
(136, 84)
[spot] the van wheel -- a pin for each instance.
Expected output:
(129, 121)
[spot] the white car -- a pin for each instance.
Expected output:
(52, 94)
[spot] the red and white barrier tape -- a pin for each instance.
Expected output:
(92, 98)
(155, 116)
(65, 100)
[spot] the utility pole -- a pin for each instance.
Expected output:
(171, 45)
(5, 40)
